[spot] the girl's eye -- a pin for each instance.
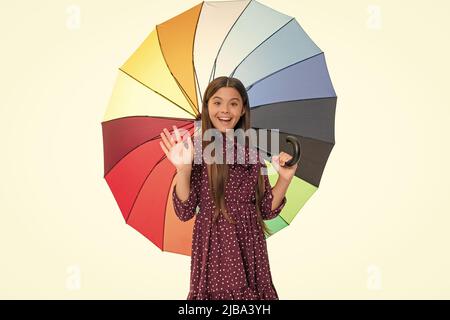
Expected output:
(217, 103)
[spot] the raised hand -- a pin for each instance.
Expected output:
(179, 150)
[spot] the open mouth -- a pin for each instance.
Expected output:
(224, 120)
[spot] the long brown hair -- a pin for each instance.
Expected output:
(218, 172)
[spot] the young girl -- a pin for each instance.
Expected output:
(229, 252)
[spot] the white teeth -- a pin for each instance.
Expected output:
(225, 119)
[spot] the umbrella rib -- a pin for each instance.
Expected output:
(139, 145)
(275, 72)
(307, 99)
(213, 71)
(288, 224)
(143, 183)
(186, 96)
(285, 221)
(303, 136)
(194, 71)
(146, 116)
(157, 92)
(265, 40)
(200, 103)
(184, 92)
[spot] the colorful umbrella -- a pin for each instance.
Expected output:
(160, 85)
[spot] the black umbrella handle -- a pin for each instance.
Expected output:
(296, 145)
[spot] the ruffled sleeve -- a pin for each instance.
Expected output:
(266, 202)
(185, 210)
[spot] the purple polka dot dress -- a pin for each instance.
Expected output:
(229, 262)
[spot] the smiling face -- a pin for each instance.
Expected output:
(225, 108)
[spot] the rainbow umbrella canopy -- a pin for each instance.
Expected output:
(161, 85)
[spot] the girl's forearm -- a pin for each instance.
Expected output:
(182, 182)
(279, 191)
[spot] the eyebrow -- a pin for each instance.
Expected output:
(222, 99)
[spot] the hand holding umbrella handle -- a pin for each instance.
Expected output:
(296, 145)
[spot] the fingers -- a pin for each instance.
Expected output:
(177, 134)
(167, 139)
(163, 147)
(183, 135)
(284, 157)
